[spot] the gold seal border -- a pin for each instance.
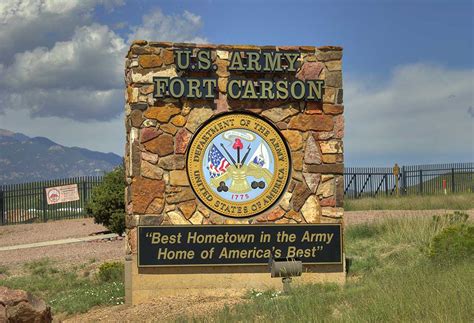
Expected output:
(238, 209)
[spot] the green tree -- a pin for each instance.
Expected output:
(107, 203)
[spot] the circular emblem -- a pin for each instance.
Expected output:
(53, 195)
(238, 164)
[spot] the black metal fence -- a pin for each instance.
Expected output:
(412, 180)
(23, 203)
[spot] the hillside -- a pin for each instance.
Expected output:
(25, 159)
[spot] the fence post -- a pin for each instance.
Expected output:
(386, 185)
(44, 204)
(404, 181)
(2, 207)
(452, 180)
(355, 186)
(421, 181)
(84, 194)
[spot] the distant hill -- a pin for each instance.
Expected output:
(25, 159)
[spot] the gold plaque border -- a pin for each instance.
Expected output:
(287, 167)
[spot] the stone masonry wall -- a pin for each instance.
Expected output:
(158, 132)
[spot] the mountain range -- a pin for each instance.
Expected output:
(26, 159)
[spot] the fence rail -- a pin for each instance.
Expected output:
(412, 180)
(23, 203)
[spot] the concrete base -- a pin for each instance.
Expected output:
(145, 284)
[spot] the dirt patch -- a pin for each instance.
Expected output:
(11, 235)
(161, 309)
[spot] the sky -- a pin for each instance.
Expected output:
(407, 66)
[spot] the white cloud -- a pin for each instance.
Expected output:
(26, 24)
(157, 26)
(422, 112)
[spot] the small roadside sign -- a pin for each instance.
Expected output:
(62, 194)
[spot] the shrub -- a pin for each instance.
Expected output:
(455, 242)
(107, 204)
(110, 272)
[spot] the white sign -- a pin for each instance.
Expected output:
(62, 194)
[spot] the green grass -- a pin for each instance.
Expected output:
(392, 279)
(412, 202)
(68, 291)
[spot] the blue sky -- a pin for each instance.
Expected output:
(408, 66)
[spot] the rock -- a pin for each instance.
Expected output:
(178, 120)
(222, 68)
(285, 201)
(147, 61)
(312, 180)
(339, 191)
(330, 201)
(273, 215)
(294, 138)
(171, 162)
(176, 218)
(197, 218)
(329, 158)
(296, 216)
(21, 306)
(181, 195)
(151, 219)
(222, 54)
(140, 75)
(181, 141)
(156, 206)
(132, 240)
(152, 158)
(325, 169)
(144, 191)
(162, 113)
(311, 210)
(333, 212)
(300, 194)
(187, 208)
(333, 79)
(222, 84)
(221, 103)
(147, 134)
(167, 56)
(179, 178)
(136, 118)
(150, 171)
(279, 114)
(326, 189)
(169, 128)
(312, 152)
(297, 160)
(306, 122)
(333, 109)
(196, 117)
(334, 65)
(340, 95)
(146, 89)
(149, 123)
(339, 126)
(310, 71)
(331, 147)
(163, 145)
(329, 95)
(324, 54)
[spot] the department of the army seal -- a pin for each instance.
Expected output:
(238, 164)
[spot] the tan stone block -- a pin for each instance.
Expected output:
(297, 160)
(162, 145)
(334, 65)
(169, 128)
(331, 147)
(294, 139)
(222, 54)
(147, 61)
(332, 212)
(222, 84)
(178, 120)
(187, 208)
(176, 218)
(197, 218)
(329, 95)
(167, 56)
(305, 122)
(326, 189)
(144, 191)
(152, 158)
(296, 216)
(150, 170)
(156, 206)
(162, 113)
(179, 178)
(311, 210)
(285, 201)
(280, 113)
(146, 76)
(196, 117)
(333, 109)
(222, 68)
(329, 158)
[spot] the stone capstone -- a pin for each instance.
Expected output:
(21, 306)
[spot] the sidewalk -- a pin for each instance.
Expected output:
(58, 242)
